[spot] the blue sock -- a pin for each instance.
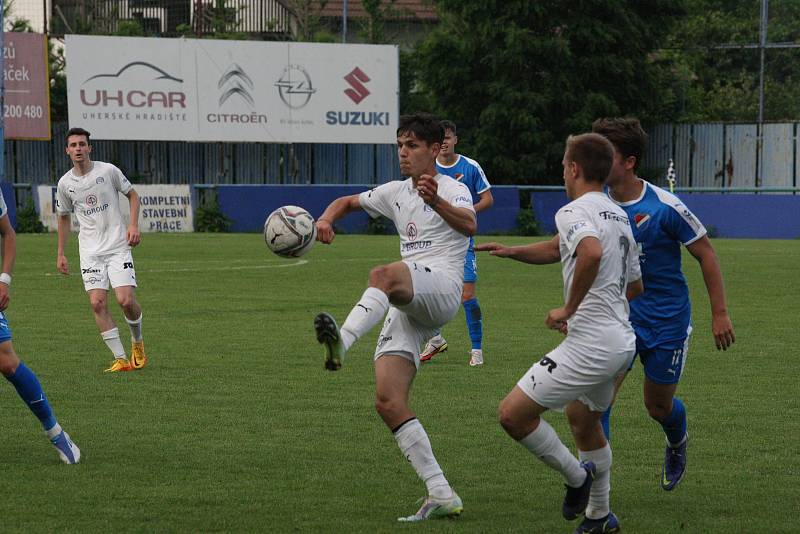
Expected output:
(474, 322)
(675, 425)
(29, 388)
(605, 421)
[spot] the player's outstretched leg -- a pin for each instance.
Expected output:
(30, 390)
(328, 335)
(606, 525)
(434, 346)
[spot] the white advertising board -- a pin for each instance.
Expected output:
(239, 91)
(162, 208)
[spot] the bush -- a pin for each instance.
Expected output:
(380, 226)
(209, 217)
(28, 221)
(526, 222)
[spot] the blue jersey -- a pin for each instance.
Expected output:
(661, 223)
(468, 172)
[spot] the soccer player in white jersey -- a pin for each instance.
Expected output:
(434, 217)
(17, 373)
(468, 172)
(91, 190)
(662, 317)
(600, 266)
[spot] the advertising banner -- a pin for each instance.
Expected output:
(26, 110)
(238, 91)
(163, 208)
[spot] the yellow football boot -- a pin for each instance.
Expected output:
(118, 365)
(138, 358)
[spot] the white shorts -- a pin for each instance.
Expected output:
(576, 371)
(116, 268)
(437, 299)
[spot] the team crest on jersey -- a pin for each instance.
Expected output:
(91, 200)
(99, 180)
(641, 219)
(411, 231)
(458, 176)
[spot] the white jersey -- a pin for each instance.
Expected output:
(424, 236)
(605, 305)
(94, 198)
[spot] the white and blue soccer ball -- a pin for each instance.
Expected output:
(289, 231)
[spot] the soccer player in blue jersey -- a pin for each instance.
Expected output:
(661, 317)
(468, 172)
(22, 378)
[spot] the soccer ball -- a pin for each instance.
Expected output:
(289, 231)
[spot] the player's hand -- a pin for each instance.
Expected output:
(325, 233)
(134, 237)
(722, 328)
(495, 249)
(62, 265)
(3, 296)
(428, 189)
(557, 319)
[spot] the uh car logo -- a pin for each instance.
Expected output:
(295, 87)
(357, 91)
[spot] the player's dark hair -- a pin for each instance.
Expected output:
(593, 153)
(78, 131)
(626, 134)
(449, 125)
(424, 126)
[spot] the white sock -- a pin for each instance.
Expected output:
(601, 487)
(367, 313)
(544, 443)
(437, 339)
(111, 337)
(413, 441)
(53, 432)
(136, 328)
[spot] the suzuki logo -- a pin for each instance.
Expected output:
(235, 82)
(357, 79)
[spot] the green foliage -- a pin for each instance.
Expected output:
(380, 226)
(519, 76)
(526, 223)
(130, 28)
(28, 221)
(209, 217)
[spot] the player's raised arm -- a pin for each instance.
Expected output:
(721, 325)
(335, 211)
(460, 219)
(541, 253)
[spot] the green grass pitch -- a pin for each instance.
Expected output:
(235, 425)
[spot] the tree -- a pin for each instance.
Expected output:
(519, 76)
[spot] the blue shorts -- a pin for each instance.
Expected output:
(5, 330)
(470, 265)
(663, 362)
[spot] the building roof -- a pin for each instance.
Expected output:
(420, 10)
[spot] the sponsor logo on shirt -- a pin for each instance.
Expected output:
(99, 180)
(611, 216)
(96, 209)
(641, 219)
(411, 231)
(415, 245)
(574, 228)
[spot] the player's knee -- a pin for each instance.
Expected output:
(467, 294)
(387, 407)
(128, 303)
(98, 304)
(508, 421)
(380, 277)
(658, 410)
(8, 360)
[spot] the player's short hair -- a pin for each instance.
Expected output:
(424, 126)
(449, 125)
(78, 131)
(593, 153)
(626, 134)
